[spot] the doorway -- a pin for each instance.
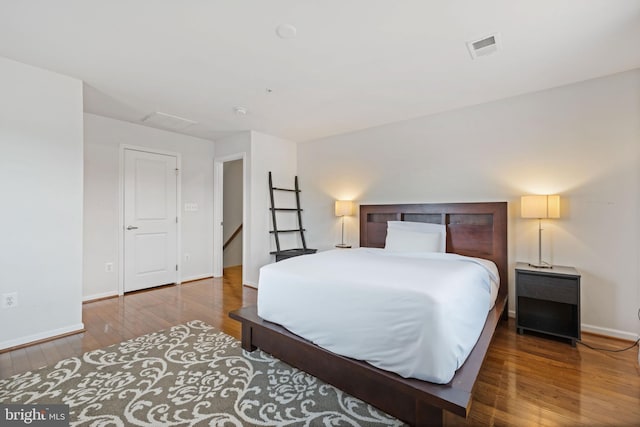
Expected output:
(232, 226)
(149, 218)
(225, 224)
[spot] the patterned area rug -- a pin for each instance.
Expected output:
(188, 375)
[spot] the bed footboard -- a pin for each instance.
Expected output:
(416, 402)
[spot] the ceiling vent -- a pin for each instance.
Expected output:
(484, 46)
(167, 121)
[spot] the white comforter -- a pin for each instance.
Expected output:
(416, 314)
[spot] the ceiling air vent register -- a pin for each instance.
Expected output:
(167, 121)
(484, 46)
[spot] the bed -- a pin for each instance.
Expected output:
(473, 230)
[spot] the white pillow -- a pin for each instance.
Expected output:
(423, 228)
(399, 240)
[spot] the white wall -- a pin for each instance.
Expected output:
(103, 138)
(580, 141)
(41, 187)
(277, 155)
(263, 153)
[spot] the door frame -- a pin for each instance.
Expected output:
(123, 148)
(218, 212)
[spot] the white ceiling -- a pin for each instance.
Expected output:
(354, 63)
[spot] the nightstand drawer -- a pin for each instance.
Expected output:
(549, 288)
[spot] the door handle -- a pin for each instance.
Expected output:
(131, 227)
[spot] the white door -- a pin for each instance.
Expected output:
(150, 220)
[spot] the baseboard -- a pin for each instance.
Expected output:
(111, 294)
(250, 284)
(197, 277)
(95, 297)
(606, 332)
(40, 337)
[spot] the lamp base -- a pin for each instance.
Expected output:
(343, 246)
(549, 266)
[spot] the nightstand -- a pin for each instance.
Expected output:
(548, 301)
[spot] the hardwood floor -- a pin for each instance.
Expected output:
(526, 380)
(113, 320)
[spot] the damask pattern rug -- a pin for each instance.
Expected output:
(189, 375)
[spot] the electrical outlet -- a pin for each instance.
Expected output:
(108, 267)
(10, 300)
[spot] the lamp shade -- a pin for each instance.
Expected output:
(540, 206)
(344, 207)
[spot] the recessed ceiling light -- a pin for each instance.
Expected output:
(241, 111)
(286, 31)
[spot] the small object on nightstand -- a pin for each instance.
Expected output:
(343, 246)
(548, 301)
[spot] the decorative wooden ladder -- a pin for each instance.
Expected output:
(287, 253)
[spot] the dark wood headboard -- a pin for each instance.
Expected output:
(473, 229)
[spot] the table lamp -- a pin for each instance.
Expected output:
(343, 208)
(540, 207)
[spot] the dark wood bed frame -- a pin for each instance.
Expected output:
(473, 229)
